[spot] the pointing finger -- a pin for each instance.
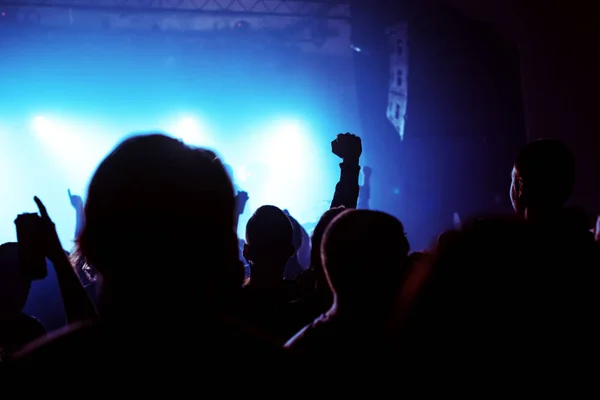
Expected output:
(41, 207)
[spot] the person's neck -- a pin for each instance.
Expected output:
(539, 214)
(9, 316)
(356, 311)
(266, 275)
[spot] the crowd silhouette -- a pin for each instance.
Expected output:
(159, 279)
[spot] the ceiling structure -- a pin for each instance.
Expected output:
(315, 25)
(323, 9)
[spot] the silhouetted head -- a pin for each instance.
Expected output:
(159, 215)
(446, 238)
(229, 170)
(417, 257)
(476, 291)
(297, 231)
(301, 241)
(14, 287)
(317, 238)
(365, 256)
(269, 238)
(543, 176)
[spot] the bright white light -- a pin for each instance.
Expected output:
(289, 128)
(42, 126)
(51, 132)
(242, 173)
(288, 156)
(77, 148)
(189, 130)
(286, 146)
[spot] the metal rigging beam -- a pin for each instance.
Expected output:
(306, 9)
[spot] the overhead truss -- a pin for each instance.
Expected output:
(305, 9)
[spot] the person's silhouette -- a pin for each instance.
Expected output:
(543, 177)
(318, 297)
(268, 302)
(301, 243)
(159, 229)
(16, 328)
(365, 258)
(269, 246)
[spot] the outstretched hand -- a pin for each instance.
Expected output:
(241, 198)
(456, 221)
(347, 146)
(76, 201)
(52, 246)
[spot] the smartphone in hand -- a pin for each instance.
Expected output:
(31, 246)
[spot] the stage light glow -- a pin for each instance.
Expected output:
(283, 168)
(286, 146)
(276, 160)
(189, 130)
(42, 125)
(242, 174)
(77, 147)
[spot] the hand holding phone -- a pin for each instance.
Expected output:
(32, 255)
(37, 239)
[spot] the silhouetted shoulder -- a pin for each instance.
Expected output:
(75, 345)
(17, 332)
(322, 333)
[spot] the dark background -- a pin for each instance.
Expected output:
(483, 79)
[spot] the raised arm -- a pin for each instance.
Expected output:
(78, 306)
(349, 148)
(241, 198)
(364, 195)
(77, 203)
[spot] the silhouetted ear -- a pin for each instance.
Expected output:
(519, 187)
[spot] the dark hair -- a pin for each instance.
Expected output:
(547, 168)
(14, 287)
(298, 232)
(317, 235)
(365, 251)
(269, 229)
(475, 284)
(155, 201)
(316, 265)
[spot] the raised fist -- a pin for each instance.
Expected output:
(347, 146)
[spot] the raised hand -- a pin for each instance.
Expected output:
(52, 246)
(347, 146)
(76, 201)
(77, 304)
(241, 198)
